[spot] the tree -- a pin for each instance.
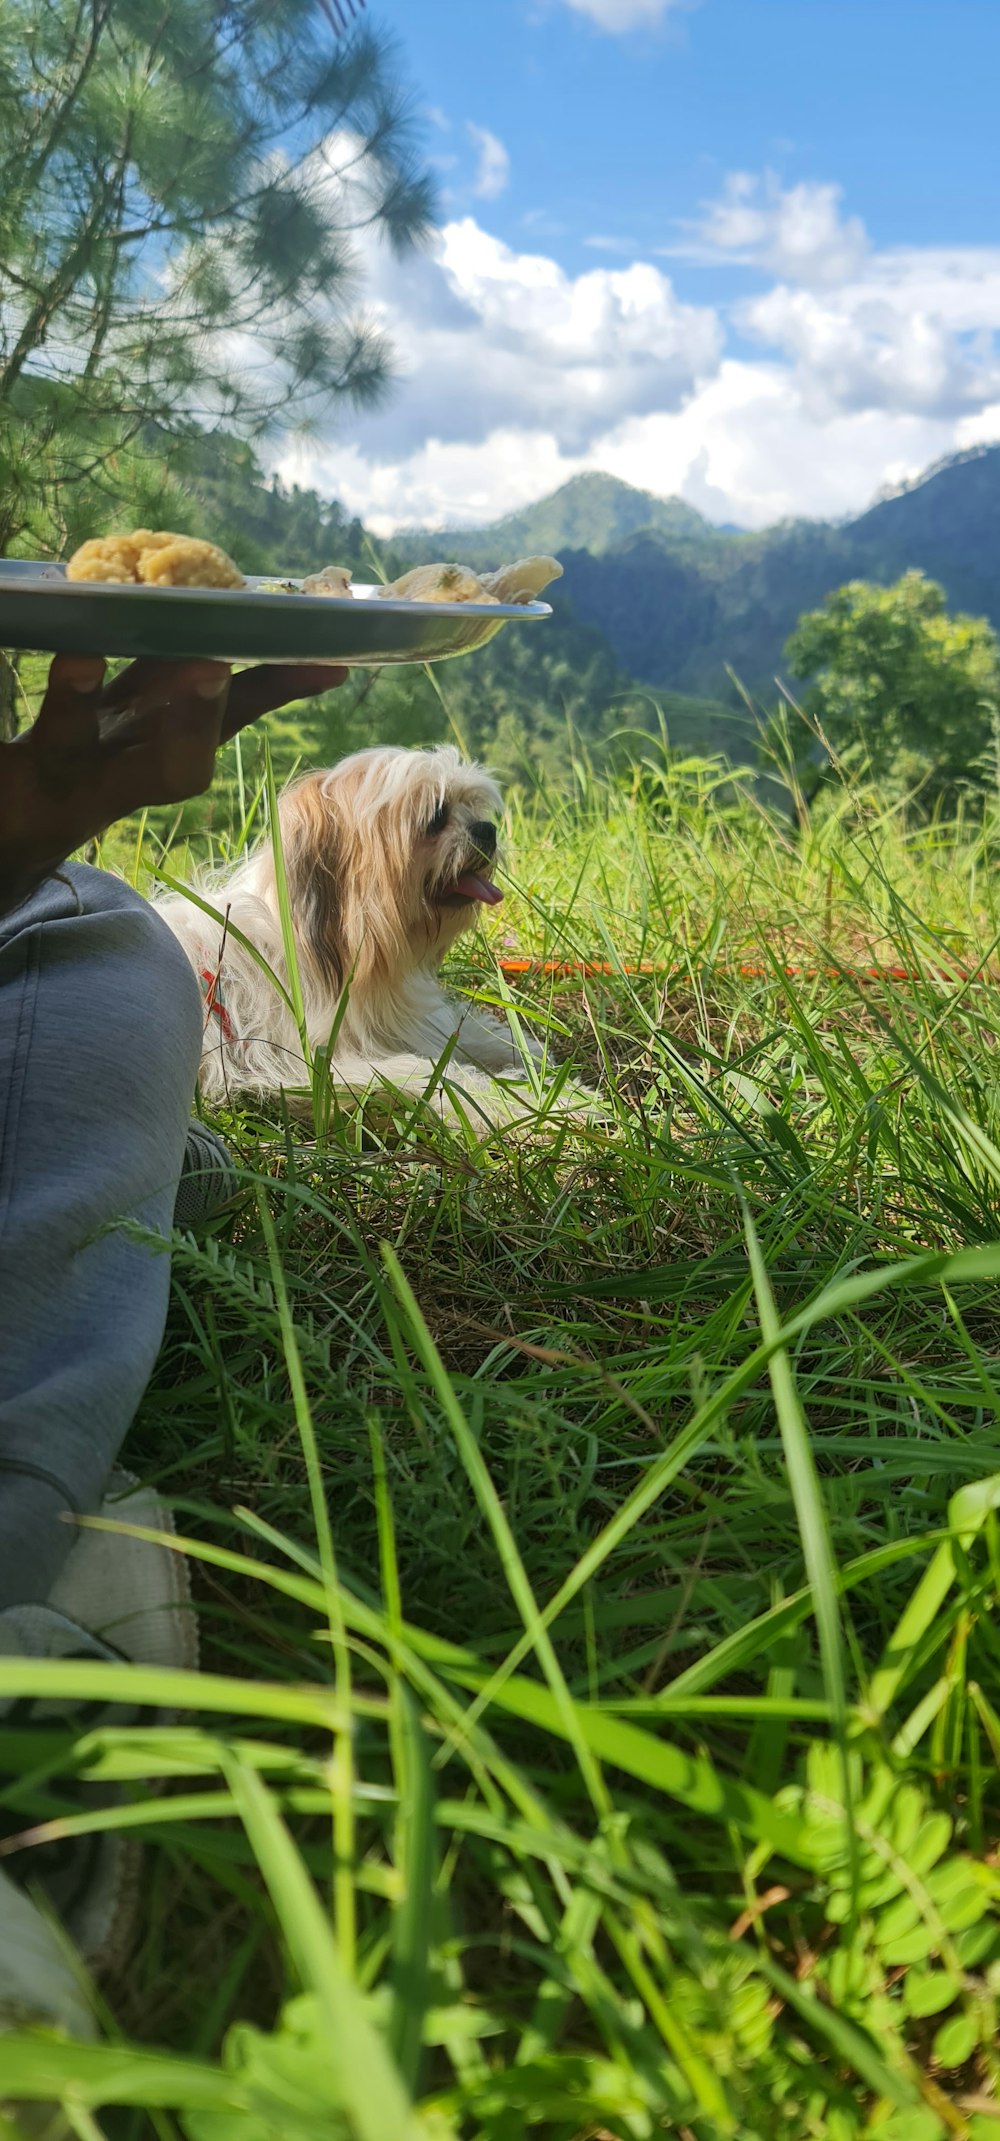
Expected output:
(918, 689)
(182, 187)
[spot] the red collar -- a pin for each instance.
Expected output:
(213, 1002)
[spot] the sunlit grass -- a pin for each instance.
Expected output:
(660, 1463)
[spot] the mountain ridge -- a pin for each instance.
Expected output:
(680, 602)
(673, 514)
(610, 510)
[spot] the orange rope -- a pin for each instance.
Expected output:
(563, 968)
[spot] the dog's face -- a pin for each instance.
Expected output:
(389, 857)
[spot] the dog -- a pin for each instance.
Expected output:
(387, 858)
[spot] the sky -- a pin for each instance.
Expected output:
(742, 251)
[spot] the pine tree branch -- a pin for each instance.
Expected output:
(100, 12)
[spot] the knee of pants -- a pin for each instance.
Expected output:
(144, 1019)
(145, 980)
(103, 1039)
(154, 997)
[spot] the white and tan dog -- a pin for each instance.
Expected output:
(387, 857)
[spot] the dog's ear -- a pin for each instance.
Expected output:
(312, 840)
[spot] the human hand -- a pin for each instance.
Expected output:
(97, 752)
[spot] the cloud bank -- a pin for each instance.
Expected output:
(844, 368)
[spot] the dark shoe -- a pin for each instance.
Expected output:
(209, 1182)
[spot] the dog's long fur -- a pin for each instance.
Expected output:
(372, 895)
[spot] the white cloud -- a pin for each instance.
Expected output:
(490, 340)
(744, 448)
(618, 16)
(854, 367)
(493, 171)
(982, 429)
(749, 448)
(910, 328)
(872, 346)
(443, 482)
(796, 231)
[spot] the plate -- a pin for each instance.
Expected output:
(42, 611)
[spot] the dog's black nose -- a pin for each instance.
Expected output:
(484, 837)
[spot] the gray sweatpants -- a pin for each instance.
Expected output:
(100, 1037)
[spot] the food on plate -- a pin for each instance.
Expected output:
(161, 559)
(333, 580)
(438, 583)
(156, 559)
(520, 582)
(188, 562)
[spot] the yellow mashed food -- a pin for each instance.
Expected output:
(158, 559)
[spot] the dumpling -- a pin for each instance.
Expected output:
(333, 580)
(438, 583)
(520, 582)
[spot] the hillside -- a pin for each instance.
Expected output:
(679, 601)
(948, 522)
(679, 617)
(590, 512)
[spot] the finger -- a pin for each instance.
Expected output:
(190, 735)
(65, 738)
(120, 690)
(183, 693)
(170, 755)
(260, 691)
(69, 710)
(155, 683)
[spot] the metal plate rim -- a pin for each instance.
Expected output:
(42, 612)
(44, 580)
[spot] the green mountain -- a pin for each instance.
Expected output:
(948, 522)
(679, 602)
(590, 512)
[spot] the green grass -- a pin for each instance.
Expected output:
(597, 1544)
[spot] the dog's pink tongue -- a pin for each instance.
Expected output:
(472, 887)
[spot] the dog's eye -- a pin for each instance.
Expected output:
(437, 823)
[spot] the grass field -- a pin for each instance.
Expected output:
(598, 1558)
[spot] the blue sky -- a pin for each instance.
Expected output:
(897, 103)
(747, 250)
